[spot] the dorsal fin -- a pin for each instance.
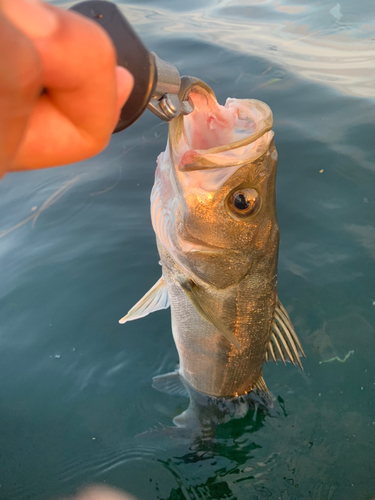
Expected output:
(155, 299)
(284, 343)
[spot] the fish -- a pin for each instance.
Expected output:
(213, 211)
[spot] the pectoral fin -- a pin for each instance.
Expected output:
(194, 295)
(155, 299)
(284, 343)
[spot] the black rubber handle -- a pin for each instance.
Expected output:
(131, 54)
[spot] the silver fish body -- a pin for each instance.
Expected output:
(213, 210)
(244, 300)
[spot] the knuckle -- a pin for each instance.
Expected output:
(87, 42)
(27, 75)
(105, 52)
(20, 64)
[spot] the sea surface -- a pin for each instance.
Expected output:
(77, 250)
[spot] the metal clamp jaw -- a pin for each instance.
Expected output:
(165, 102)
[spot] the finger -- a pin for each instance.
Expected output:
(31, 17)
(75, 118)
(124, 88)
(20, 84)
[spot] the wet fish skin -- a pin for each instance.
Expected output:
(204, 412)
(219, 263)
(238, 284)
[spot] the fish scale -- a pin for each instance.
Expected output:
(213, 211)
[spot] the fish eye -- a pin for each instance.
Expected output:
(244, 202)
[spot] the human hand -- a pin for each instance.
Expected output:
(73, 58)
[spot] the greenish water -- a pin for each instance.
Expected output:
(76, 386)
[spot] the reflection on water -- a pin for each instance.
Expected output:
(77, 249)
(326, 43)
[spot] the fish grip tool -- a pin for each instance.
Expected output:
(156, 82)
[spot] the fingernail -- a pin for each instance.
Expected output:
(125, 83)
(32, 17)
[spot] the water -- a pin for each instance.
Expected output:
(76, 386)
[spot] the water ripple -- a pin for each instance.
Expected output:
(105, 461)
(338, 54)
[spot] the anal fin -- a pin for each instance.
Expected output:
(261, 385)
(155, 299)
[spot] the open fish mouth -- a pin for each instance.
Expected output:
(215, 136)
(209, 145)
